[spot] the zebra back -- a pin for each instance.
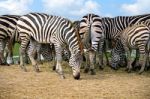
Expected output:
(51, 29)
(113, 27)
(48, 29)
(91, 31)
(7, 25)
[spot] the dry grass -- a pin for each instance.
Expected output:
(107, 84)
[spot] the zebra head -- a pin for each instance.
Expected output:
(118, 58)
(115, 60)
(75, 62)
(76, 53)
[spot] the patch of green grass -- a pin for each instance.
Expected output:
(16, 49)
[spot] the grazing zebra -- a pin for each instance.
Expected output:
(7, 29)
(42, 28)
(90, 31)
(113, 27)
(137, 37)
(9, 36)
(118, 57)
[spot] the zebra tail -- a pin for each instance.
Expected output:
(87, 38)
(12, 39)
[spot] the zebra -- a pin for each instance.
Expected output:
(7, 28)
(113, 27)
(9, 36)
(136, 37)
(91, 32)
(43, 28)
(118, 57)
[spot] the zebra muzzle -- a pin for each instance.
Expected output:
(77, 76)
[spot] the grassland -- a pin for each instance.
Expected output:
(106, 84)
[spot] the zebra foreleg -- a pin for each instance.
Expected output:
(39, 54)
(32, 52)
(33, 61)
(23, 49)
(54, 63)
(101, 61)
(59, 61)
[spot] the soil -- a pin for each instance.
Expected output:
(106, 84)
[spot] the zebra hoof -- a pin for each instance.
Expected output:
(23, 68)
(114, 68)
(140, 72)
(36, 69)
(93, 72)
(108, 64)
(40, 62)
(86, 70)
(54, 68)
(4, 64)
(62, 76)
(82, 67)
(126, 69)
(129, 71)
(101, 68)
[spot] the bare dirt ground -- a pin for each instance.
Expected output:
(106, 84)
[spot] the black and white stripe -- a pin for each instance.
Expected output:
(7, 29)
(113, 27)
(91, 32)
(118, 57)
(43, 28)
(137, 37)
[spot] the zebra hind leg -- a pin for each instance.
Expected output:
(32, 51)
(22, 55)
(87, 65)
(129, 66)
(92, 67)
(101, 65)
(136, 63)
(143, 61)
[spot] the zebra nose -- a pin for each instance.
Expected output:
(77, 76)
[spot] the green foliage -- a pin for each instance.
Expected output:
(16, 49)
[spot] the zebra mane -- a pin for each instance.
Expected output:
(76, 24)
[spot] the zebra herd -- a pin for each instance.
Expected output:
(40, 33)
